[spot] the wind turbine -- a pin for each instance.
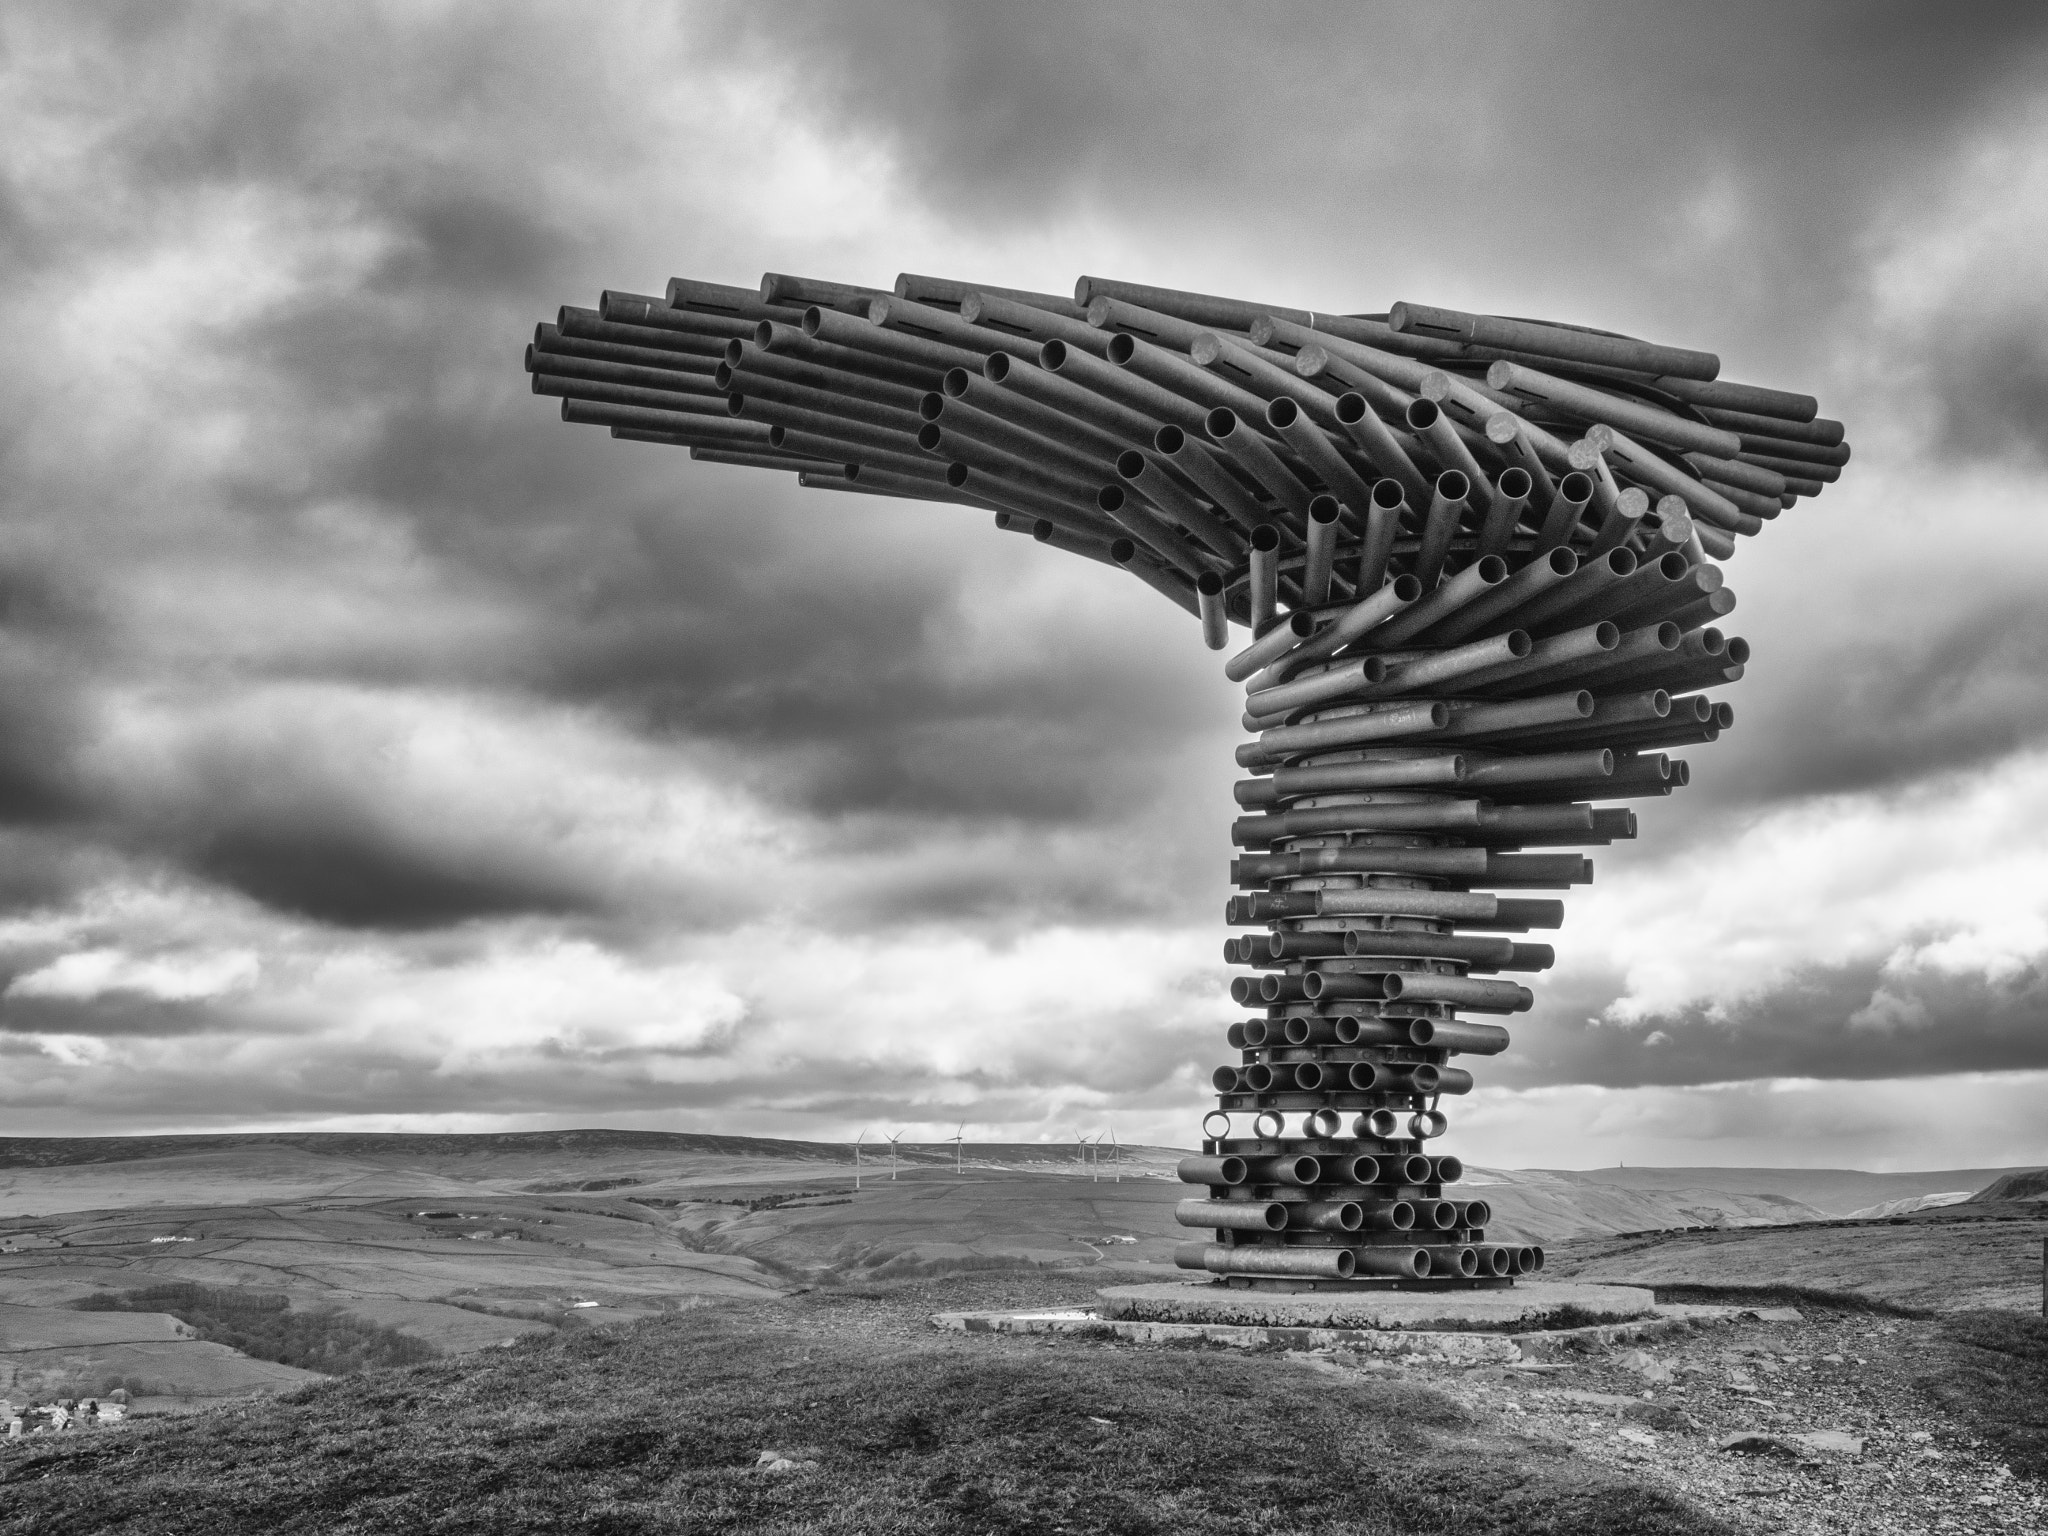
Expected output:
(1116, 1158)
(892, 1155)
(956, 1147)
(863, 1136)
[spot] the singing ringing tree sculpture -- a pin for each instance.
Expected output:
(1475, 557)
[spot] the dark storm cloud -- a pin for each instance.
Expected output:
(1459, 131)
(1709, 175)
(1849, 1022)
(1884, 710)
(113, 1014)
(1984, 369)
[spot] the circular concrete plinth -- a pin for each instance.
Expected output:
(1529, 1305)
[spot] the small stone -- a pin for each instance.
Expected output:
(1753, 1443)
(1637, 1436)
(1832, 1359)
(1832, 1442)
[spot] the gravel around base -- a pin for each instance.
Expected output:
(1663, 1414)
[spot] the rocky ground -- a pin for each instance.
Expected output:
(1821, 1425)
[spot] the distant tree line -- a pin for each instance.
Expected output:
(265, 1326)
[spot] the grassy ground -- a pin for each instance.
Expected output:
(659, 1426)
(1990, 1369)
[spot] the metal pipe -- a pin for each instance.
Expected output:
(957, 447)
(1213, 1171)
(1286, 417)
(1173, 372)
(1502, 772)
(1566, 398)
(1824, 433)
(1516, 441)
(681, 399)
(572, 323)
(1143, 524)
(1668, 581)
(1081, 464)
(1558, 341)
(978, 391)
(1511, 494)
(1385, 451)
(1287, 1168)
(1561, 597)
(1262, 592)
(1274, 642)
(1381, 903)
(719, 301)
(1732, 471)
(1349, 627)
(1763, 508)
(1323, 514)
(1059, 394)
(1427, 419)
(1199, 308)
(1324, 1215)
(1460, 1035)
(789, 341)
(1215, 617)
(751, 360)
(1458, 664)
(1724, 396)
(1532, 580)
(1159, 578)
(1473, 582)
(1648, 469)
(1490, 720)
(1033, 324)
(1452, 1262)
(950, 293)
(1621, 521)
(549, 344)
(1232, 1215)
(1121, 317)
(1120, 386)
(848, 330)
(897, 314)
(1456, 863)
(1592, 643)
(1394, 723)
(1398, 1263)
(1200, 468)
(792, 462)
(683, 426)
(1465, 991)
(1440, 524)
(1340, 778)
(1224, 427)
(652, 314)
(1140, 471)
(756, 383)
(809, 292)
(1561, 518)
(1089, 546)
(1267, 1259)
(853, 443)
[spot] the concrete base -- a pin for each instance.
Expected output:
(1529, 1305)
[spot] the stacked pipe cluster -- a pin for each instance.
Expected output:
(1474, 555)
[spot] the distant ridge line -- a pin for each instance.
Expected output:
(65, 1151)
(57, 1151)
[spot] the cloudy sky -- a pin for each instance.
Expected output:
(378, 751)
